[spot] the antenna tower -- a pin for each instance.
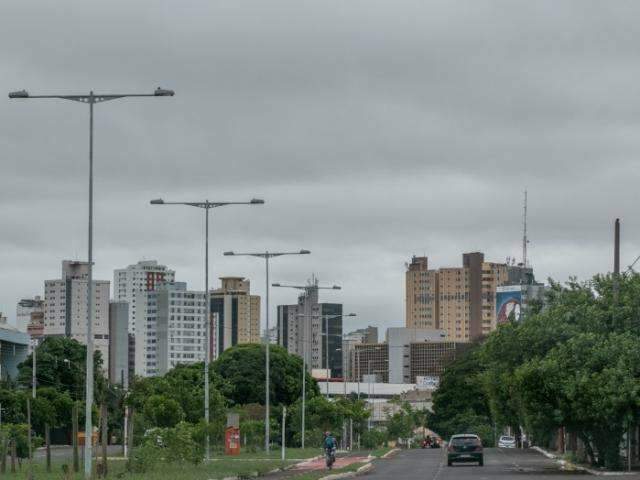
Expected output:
(525, 241)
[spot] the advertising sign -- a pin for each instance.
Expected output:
(508, 303)
(427, 382)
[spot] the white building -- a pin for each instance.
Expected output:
(173, 331)
(65, 307)
(25, 311)
(130, 282)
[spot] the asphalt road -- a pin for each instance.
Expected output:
(501, 464)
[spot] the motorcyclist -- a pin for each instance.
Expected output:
(330, 442)
(330, 445)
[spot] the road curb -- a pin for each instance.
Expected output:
(367, 467)
(572, 466)
(390, 453)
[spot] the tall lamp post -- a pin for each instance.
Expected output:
(91, 99)
(207, 205)
(306, 288)
(267, 256)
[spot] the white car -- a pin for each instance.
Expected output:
(507, 442)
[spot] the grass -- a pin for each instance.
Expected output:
(380, 452)
(245, 464)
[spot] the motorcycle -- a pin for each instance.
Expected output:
(330, 457)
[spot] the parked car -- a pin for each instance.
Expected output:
(507, 442)
(465, 448)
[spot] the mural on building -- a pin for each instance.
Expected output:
(508, 303)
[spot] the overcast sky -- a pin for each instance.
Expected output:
(374, 130)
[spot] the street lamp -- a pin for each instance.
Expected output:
(207, 205)
(91, 99)
(267, 256)
(304, 339)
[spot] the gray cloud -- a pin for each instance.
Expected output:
(373, 129)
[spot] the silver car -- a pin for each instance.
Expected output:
(507, 442)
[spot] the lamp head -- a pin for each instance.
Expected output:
(351, 315)
(161, 92)
(227, 254)
(276, 285)
(157, 201)
(304, 252)
(19, 94)
(336, 287)
(256, 201)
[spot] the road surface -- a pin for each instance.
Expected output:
(499, 464)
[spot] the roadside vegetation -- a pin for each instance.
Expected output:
(572, 366)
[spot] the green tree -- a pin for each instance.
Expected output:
(243, 369)
(61, 365)
(163, 412)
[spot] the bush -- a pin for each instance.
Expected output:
(145, 457)
(373, 438)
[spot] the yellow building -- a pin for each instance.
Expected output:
(460, 300)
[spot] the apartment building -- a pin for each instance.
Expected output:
(130, 283)
(65, 307)
(174, 329)
(460, 300)
(235, 315)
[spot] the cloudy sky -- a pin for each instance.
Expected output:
(374, 130)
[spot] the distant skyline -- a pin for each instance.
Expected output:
(373, 130)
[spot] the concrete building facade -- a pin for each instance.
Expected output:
(130, 283)
(460, 300)
(370, 359)
(235, 315)
(119, 343)
(65, 307)
(305, 328)
(28, 311)
(350, 340)
(399, 342)
(429, 359)
(174, 329)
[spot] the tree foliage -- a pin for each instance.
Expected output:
(573, 364)
(243, 369)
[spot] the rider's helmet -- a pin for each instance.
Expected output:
(327, 434)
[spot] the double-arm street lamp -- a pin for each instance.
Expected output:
(306, 288)
(207, 205)
(267, 256)
(326, 319)
(90, 99)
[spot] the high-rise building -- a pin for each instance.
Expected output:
(65, 307)
(173, 331)
(310, 327)
(421, 296)
(235, 315)
(119, 343)
(29, 311)
(460, 300)
(130, 283)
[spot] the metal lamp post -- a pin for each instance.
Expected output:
(267, 256)
(91, 99)
(304, 354)
(207, 205)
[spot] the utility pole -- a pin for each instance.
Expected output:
(525, 240)
(284, 422)
(616, 260)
